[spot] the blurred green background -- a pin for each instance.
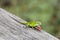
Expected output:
(45, 11)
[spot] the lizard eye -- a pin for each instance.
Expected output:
(39, 23)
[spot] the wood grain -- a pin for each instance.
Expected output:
(11, 29)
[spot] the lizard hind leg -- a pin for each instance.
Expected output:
(33, 28)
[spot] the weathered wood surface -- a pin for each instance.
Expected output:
(11, 29)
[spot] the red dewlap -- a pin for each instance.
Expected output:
(38, 28)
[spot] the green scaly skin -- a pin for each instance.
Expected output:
(31, 24)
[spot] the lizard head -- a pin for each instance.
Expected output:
(38, 26)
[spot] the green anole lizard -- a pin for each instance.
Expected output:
(33, 25)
